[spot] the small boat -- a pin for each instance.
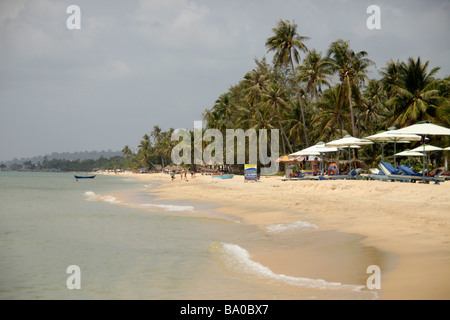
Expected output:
(84, 177)
(224, 176)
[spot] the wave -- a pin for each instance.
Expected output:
(168, 207)
(92, 196)
(238, 259)
(290, 226)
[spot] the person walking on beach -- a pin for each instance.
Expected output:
(172, 175)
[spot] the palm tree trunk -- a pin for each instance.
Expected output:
(349, 92)
(285, 137)
(300, 102)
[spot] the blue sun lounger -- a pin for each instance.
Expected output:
(399, 174)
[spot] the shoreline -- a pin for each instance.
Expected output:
(408, 220)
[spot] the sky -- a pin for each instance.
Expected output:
(139, 63)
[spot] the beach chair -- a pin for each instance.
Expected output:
(304, 176)
(407, 171)
(396, 174)
(351, 175)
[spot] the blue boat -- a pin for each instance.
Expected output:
(84, 177)
(224, 176)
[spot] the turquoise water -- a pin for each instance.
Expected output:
(130, 246)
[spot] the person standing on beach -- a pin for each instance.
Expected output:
(172, 175)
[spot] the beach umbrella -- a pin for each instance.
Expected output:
(348, 141)
(392, 136)
(286, 159)
(426, 148)
(315, 150)
(425, 129)
(409, 153)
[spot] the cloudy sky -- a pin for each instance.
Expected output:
(138, 63)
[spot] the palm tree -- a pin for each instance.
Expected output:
(255, 82)
(314, 72)
(373, 103)
(417, 95)
(156, 133)
(127, 151)
(274, 98)
(332, 112)
(223, 105)
(351, 67)
(163, 146)
(145, 151)
(286, 43)
(391, 77)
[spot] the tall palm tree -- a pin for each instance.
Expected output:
(332, 114)
(417, 95)
(373, 103)
(315, 71)
(390, 77)
(223, 105)
(351, 67)
(145, 150)
(286, 43)
(127, 151)
(274, 98)
(156, 133)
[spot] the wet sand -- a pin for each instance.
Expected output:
(403, 227)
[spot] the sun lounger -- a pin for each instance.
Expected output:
(396, 174)
(304, 177)
(406, 170)
(352, 175)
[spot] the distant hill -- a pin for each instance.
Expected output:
(83, 155)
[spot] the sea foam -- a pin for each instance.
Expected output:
(168, 207)
(238, 259)
(275, 228)
(92, 196)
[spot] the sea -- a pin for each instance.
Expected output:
(110, 238)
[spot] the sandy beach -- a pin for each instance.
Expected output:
(409, 220)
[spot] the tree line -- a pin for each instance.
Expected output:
(312, 96)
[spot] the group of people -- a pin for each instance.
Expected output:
(183, 174)
(332, 169)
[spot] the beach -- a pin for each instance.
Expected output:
(407, 221)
